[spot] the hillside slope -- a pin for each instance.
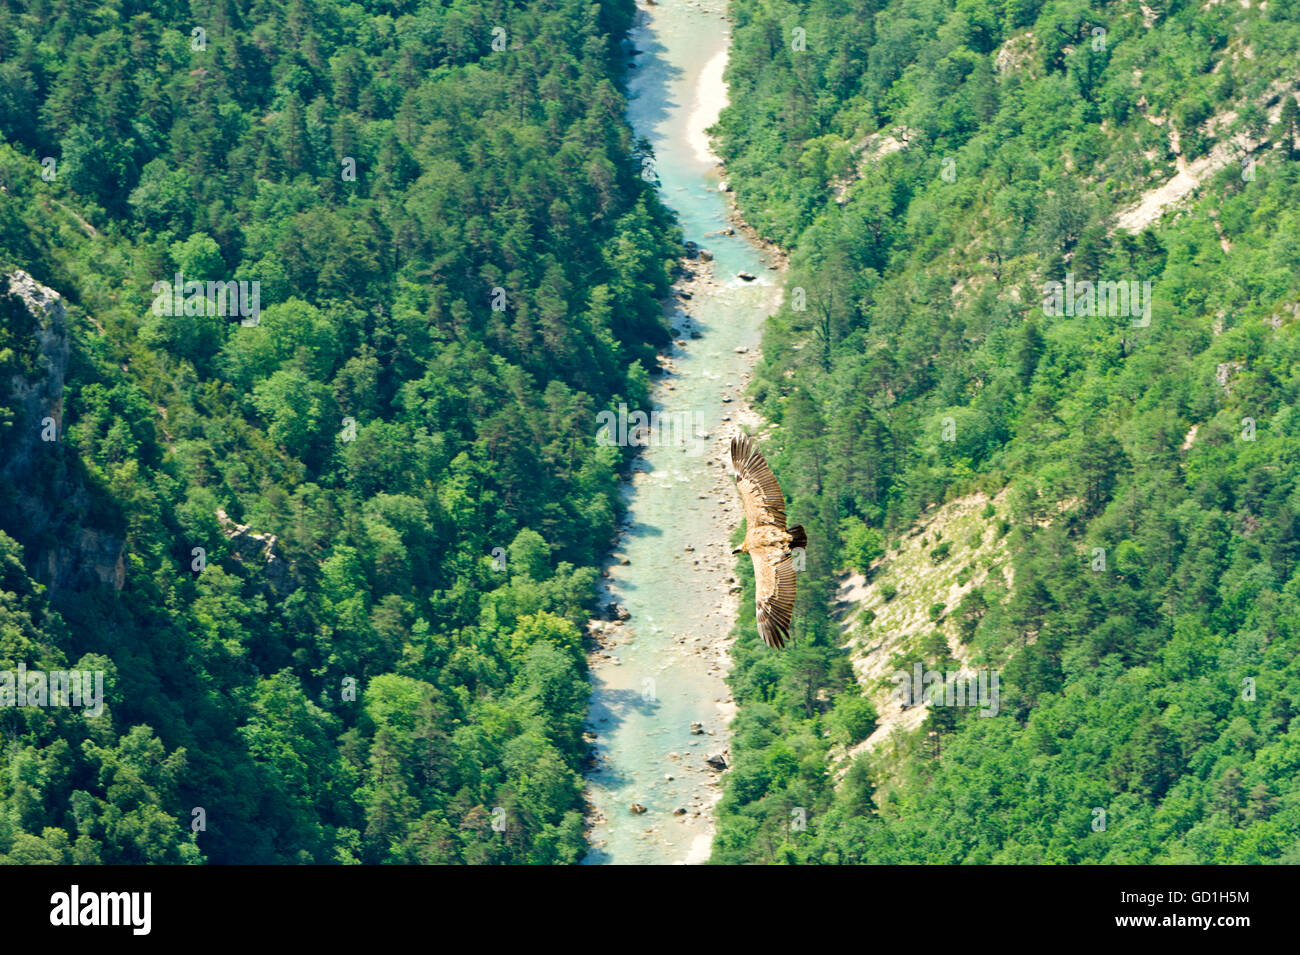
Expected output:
(1148, 450)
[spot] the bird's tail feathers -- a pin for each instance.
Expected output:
(798, 538)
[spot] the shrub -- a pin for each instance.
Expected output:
(863, 545)
(852, 720)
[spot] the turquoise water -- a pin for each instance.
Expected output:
(663, 669)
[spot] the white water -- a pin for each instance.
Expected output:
(665, 667)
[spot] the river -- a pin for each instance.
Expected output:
(664, 668)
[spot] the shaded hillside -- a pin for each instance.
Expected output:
(332, 561)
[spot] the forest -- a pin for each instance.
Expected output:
(333, 560)
(334, 555)
(931, 164)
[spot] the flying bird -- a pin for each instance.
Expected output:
(767, 541)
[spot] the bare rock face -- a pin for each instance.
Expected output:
(93, 557)
(46, 502)
(37, 396)
(257, 551)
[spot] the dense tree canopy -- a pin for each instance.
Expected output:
(933, 163)
(458, 266)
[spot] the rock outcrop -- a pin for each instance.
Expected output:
(69, 531)
(257, 552)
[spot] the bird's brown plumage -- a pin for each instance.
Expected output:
(767, 541)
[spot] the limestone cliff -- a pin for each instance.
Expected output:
(45, 495)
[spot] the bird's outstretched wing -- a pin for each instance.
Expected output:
(773, 594)
(759, 492)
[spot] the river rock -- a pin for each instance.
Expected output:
(716, 761)
(697, 729)
(637, 809)
(746, 276)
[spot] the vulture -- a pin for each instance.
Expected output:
(768, 542)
